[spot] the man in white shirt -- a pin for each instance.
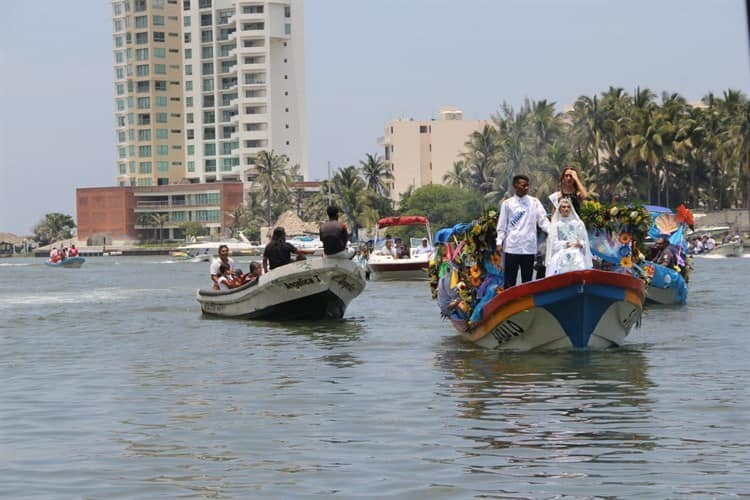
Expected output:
(223, 258)
(516, 231)
(424, 247)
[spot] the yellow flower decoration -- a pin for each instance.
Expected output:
(495, 259)
(475, 271)
(626, 262)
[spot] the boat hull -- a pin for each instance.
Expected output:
(731, 249)
(579, 310)
(667, 286)
(69, 263)
(312, 289)
(390, 269)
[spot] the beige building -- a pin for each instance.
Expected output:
(149, 127)
(422, 152)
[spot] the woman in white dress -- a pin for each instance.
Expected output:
(568, 246)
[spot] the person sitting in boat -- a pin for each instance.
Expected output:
(402, 251)
(226, 279)
(388, 248)
(223, 258)
(424, 247)
(54, 255)
(567, 242)
(663, 253)
(279, 252)
(334, 235)
(73, 252)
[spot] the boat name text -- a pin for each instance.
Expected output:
(506, 330)
(300, 282)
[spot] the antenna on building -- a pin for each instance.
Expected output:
(329, 183)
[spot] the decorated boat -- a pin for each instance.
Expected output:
(589, 309)
(310, 289)
(669, 285)
(411, 266)
(68, 263)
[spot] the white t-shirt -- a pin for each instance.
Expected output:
(223, 283)
(216, 264)
(516, 226)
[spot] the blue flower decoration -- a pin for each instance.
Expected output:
(624, 251)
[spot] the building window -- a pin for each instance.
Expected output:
(157, 4)
(162, 150)
(287, 29)
(188, 37)
(160, 85)
(158, 36)
(144, 134)
(206, 20)
(141, 70)
(158, 20)
(141, 54)
(160, 101)
(144, 119)
(204, 4)
(161, 118)
(139, 5)
(207, 52)
(160, 69)
(189, 102)
(423, 129)
(141, 38)
(144, 167)
(210, 165)
(209, 149)
(207, 36)
(287, 11)
(162, 133)
(141, 21)
(191, 166)
(144, 151)
(160, 53)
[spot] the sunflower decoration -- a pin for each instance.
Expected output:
(625, 238)
(630, 223)
(626, 262)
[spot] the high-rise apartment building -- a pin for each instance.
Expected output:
(226, 75)
(422, 152)
(149, 117)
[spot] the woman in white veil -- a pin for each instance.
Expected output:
(568, 246)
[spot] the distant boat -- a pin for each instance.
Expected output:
(729, 249)
(211, 248)
(310, 289)
(384, 267)
(69, 263)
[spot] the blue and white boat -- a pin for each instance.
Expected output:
(69, 263)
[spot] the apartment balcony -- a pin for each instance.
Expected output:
(251, 50)
(253, 16)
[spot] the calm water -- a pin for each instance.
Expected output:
(114, 385)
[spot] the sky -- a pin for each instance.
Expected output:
(367, 62)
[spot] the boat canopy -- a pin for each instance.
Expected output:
(402, 220)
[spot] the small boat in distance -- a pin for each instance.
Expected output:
(68, 263)
(734, 248)
(209, 249)
(310, 289)
(385, 267)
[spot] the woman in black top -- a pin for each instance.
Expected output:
(278, 252)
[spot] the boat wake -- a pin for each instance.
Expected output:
(98, 295)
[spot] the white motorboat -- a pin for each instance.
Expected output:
(384, 267)
(310, 289)
(209, 249)
(734, 248)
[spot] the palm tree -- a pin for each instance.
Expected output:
(350, 190)
(459, 176)
(376, 172)
(273, 177)
(483, 149)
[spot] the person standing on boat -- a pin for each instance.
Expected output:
(334, 235)
(570, 187)
(223, 258)
(279, 252)
(73, 252)
(519, 218)
(568, 242)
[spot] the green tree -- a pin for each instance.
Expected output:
(54, 227)
(193, 229)
(444, 205)
(154, 220)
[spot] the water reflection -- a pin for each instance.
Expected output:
(558, 407)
